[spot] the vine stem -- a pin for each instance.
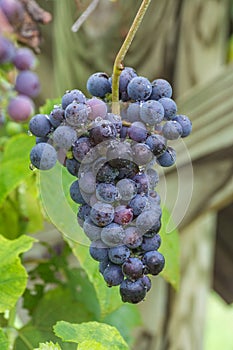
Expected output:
(118, 64)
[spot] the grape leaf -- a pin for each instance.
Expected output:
(103, 333)
(13, 276)
(91, 344)
(15, 164)
(4, 343)
(53, 186)
(170, 248)
(48, 346)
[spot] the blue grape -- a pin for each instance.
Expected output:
(43, 156)
(81, 147)
(132, 291)
(72, 166)
(83, 213)
(113, 234)
(154, 262)
(153, 177)
(168, 158)
(40, 125)
(107, 173)
(160, 88)
(138, 204)
(75, 193)
(127, 189)
(152, 112)
(64, 136)
(92, 231)
(87, 182)
(107, 192)
(24, 59)
(115, 120)
(76, 114)
(150, 243)
(118, 254)
(126, 76)
(157, 144)
(71, 96)
(147, 282)
(98, 250)
(170, 107)
(147, 219)
(113, 275)
(142, 182)
(98, 84)
(127, 169)
(42, 139)
(103, 264)
(185, 123)
(27, 83)
(137, 132)
(133, 112)
(56, 116)
(102, 214)
(102, 130)
(132, 268)
(133, 238)
(172, 130)
(141, 154)
(139, 89)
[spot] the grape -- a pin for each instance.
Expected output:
(157, 144)
(132, 291)
(150, 243)
(126, 76)
(72, 95)
(20, 108)
(152, 112)
(153, 177)
(76, 114)
(172, 130)
(75, 193)
(112, 234)
(98, 250)
(103, 264)
(123, 215)
(107, 173)
(43, 156)
(107, 193)
(185, 123)
(113, 275)
(7, 50)
(142, 183)
(115, 120)
(138, 204)
(42, 139)
(13, 10)
(132, 268)
(168, 158)
(118, 254)
(141, 154)
(170, 107)
(27, 83)
(119, 153)
(137, 132)
(160, 88)
(102, 214)
(91, 230)
(56, 116)
(133, 112)
(128, 170)
(147, 219)
(102, 130)
(133, 238)
(127, 189)
(24, 59)
(147, 282)
(64, 136)
(154, 262)
(83, 213)
(98, 84)
(87, 182)
(81, 147)
(139, 89)
(73, 166)
(39, 125)
(98, 108)
(124, 132)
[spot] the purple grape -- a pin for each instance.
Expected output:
(107, 193)
(141, 154)
(98, 84)
(7, 50)
(138, 204)
(147, 219)
(160, 88)
(24, 59)
(139, 89)
(107, 173)
(64, 136)
(98, 108)
(127, 189)
(172, 130)
(113, 275)
(87, 182)
(91, 230)
(118, 254)
(154, 262)
(13, 10)
(56, 116)
(157, 144)
(71, 96)
(115, 120)
(126, 76)
(147, 282)
(76, 114)
(142, 182)
(98, 250)
(132, 291)
(72, 166)
(150, 243)
(76, 194)
(113, 235)
(83, 213)
(27, 83)
(20, 108)
(81, 147)
(137, 132)
(168, 158)
(102, 130)
(133, 112)
(152, 112)
(170, 107)
(40, 125)
(153, 177)
(102, 214)
(132, 268)
(123, 215)
(43, 156)
(185, 123)
(133, 238)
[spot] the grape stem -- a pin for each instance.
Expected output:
(118, 64)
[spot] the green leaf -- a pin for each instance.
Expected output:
(4, 343)
(49, 105)
(170, 248)
(13, 276)
(48, 346)
(15, 164)
(54, 188)
(88, 331)
(91, 344)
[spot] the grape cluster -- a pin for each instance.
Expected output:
(113, 159)
(18, 63)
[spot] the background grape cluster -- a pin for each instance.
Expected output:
(21, 83)
(113, 159)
